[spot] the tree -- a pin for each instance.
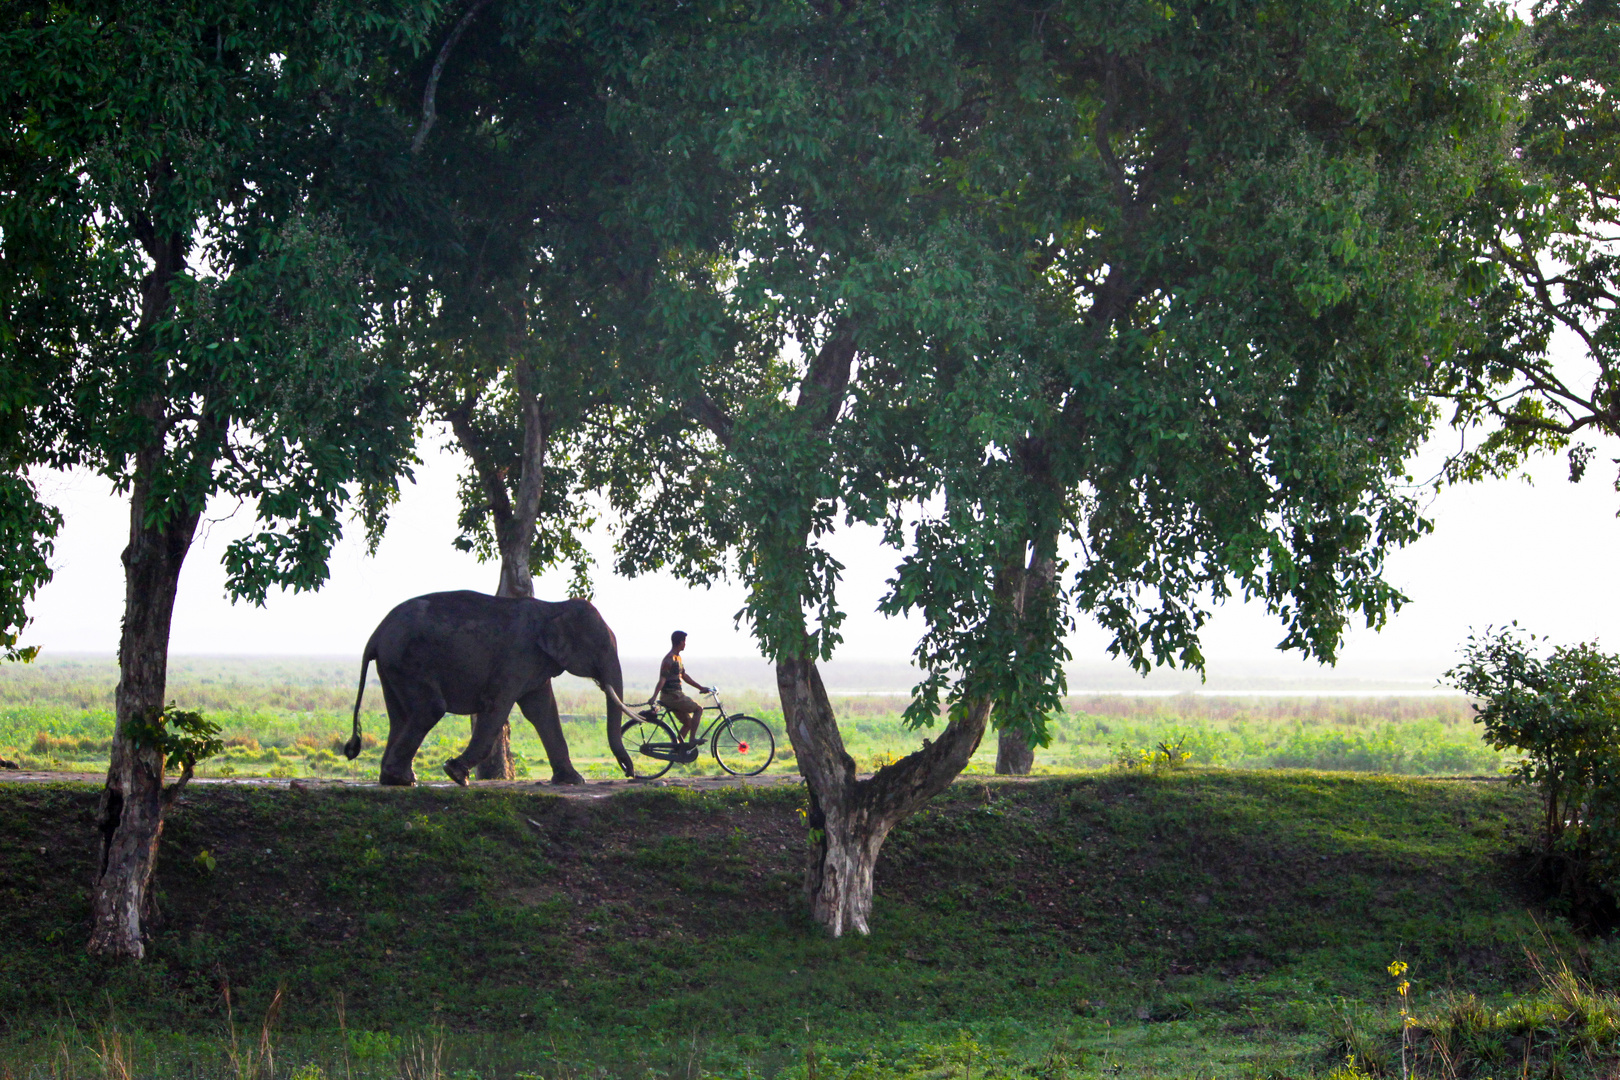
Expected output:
(1551, 262)
(1155, 283)
(507, 139)
(183, 149)
(1563, 711)
(524, 324)
(41, 254)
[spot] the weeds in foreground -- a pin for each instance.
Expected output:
(436, 1055)
(1566, 1029)
(115, 1053)
(1403, 987)
(256, 1062)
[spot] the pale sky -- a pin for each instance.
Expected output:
(1503, 550)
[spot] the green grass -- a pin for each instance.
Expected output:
(290, 717)
(1201, 923)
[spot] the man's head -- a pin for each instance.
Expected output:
(677, 641)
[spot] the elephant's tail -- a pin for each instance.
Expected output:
(351, 749)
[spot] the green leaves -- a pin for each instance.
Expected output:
(1563, 711)
(1545, 239)
(183, 737)
(187, 310)
(1144, 299)
(27, 528)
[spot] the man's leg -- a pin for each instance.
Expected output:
(689, 723)
(685, 709)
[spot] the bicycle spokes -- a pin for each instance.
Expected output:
(743, 746)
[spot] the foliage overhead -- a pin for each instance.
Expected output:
(178, 285)
(1158, 288)
(505, 307)
(1549, 266)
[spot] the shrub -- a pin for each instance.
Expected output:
(1164, 755)
(1563, 711)
(67, 746)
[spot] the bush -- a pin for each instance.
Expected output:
(1563, 711)
(1163, 756)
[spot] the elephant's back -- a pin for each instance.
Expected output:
(449, 619)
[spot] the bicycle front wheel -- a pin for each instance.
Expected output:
(651, 746)
(743, 746)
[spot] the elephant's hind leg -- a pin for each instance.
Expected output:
(540, 709)
(411, 715)
(486, 727)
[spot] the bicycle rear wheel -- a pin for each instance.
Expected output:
(743, 746)
(645, 738)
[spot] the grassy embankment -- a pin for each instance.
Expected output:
(289, 718)
(1202, 923)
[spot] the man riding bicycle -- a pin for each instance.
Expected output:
(671, 673)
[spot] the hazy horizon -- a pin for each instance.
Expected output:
(1501, 550)
(876, 676)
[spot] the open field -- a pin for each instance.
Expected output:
(1194, 924)
(288, 717)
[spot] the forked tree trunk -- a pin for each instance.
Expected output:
(130, 816)
(1029, 589)
(513, 521)
(850, 818)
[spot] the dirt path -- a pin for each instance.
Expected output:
(591, 789)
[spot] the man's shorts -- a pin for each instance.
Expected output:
(678, 703)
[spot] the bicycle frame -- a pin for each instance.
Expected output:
(681, 751)
(721, 716)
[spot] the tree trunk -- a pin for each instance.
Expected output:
(849, 818)
(130, 816)
(514, 531)
(1014, 755)
(1029, 589)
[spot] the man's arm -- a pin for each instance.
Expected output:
(693, 681)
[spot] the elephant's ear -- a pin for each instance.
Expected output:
(557, 642)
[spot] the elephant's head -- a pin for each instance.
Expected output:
(576, 637)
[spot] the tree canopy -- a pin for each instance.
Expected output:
(1161, 291)
(1549, 262)
(1108, 310)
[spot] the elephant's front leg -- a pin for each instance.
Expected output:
(540, 708)
(485, 729)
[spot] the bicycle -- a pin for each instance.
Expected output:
(742, 745)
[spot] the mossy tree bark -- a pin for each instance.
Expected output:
(130, 815)
(1030, 589)
(1014, 755)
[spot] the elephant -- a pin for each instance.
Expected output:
(467, 652)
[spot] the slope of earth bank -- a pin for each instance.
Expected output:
(1166, 921)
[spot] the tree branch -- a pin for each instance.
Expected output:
(703, 409)
(489, 476)
(821, 394)
(429, 108)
